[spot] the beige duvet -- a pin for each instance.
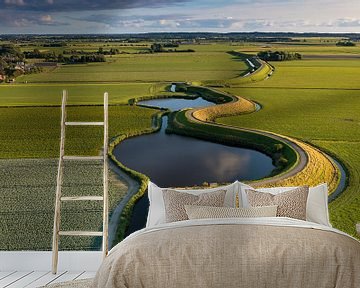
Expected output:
(274, 253)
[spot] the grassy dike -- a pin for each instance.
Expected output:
(263, 69)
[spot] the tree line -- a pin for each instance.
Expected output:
(345, 43)
(278, 56)
(160, 48)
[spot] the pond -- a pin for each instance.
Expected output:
(170, 160)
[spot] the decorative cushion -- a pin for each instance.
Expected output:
(175, 202)
(316, 206)
(156, 214)
(290, 203)
(201, 212)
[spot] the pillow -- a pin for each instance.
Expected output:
(316, 207)
(290, 203)
(202, 212)
(156, 214)
(175, 203)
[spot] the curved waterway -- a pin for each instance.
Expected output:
(171, 160)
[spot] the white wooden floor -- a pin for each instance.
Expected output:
(31, 279)
(32, 268)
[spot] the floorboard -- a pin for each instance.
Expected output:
(28, 279)
(12, 278)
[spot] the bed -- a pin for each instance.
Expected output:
(233, 251)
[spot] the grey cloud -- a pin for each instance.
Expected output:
(345, 22)
(170, 20)
(206, 23)
(28, 19)
(113, 19)
(348, 23)
(257, 24)
(83, 5)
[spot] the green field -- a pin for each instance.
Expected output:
(86, 46)
(197, 66)
(28, 198)
(326, 74)
(312, 48)
(50, 94)
(315, 100)
(34, 132)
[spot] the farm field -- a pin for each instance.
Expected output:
(85, 46)
(89, 94)
(28, 198)
(34, 132)
(325, 74)
(314, 47)
(195, 66)
(323, 111)
(315, 100)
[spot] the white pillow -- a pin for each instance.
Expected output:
(316, 207)
(156, 214)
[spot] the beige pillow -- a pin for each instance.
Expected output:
(175, 201)
(201, 212)
(290, 203)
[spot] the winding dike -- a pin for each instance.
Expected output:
(299, 163)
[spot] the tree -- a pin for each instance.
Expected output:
(156, 47)
(11, 52)
(9, 72)
(60, 58)
(278, 56)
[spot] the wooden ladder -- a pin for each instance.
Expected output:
(56, 230)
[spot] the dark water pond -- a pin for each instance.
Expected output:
(176, 161)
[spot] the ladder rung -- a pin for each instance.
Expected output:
(82, 198)
(83, 157)
(84, 123)
(80, 233)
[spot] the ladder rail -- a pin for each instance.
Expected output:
(105, 244)
(55, 244)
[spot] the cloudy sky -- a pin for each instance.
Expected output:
(129, 16)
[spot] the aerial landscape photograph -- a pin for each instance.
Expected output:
(180, 143)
